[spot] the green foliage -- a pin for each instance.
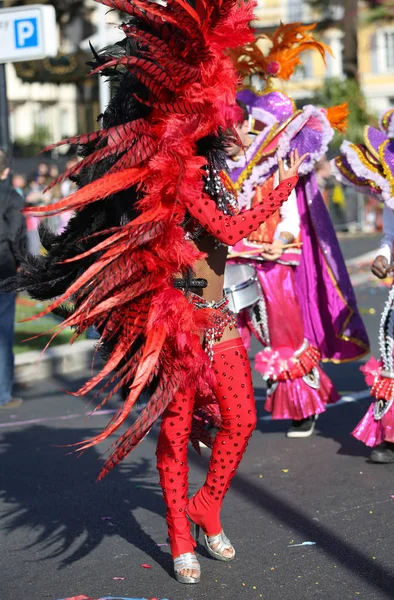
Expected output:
(33, 144)
(338, 91)
(382, 11)
(25, 338)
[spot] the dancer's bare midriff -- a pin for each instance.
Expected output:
(212, 270)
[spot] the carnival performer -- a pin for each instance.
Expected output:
(307, 310)
(370, 168)
(143, 258)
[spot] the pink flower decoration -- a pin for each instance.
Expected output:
(273, 68)
(371, 370)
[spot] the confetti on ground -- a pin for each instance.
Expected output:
(111, 598)
(261, 477)
(146, 566)
(367, 311)
(161, 545)
(77, 598)
(119, 578)
(303, 544)
(285, 470)
(106, 518)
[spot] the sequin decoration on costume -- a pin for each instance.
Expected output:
(222, 317)
(300, 365)
(259, 320)
(216, 187)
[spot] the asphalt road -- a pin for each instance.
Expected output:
(359, 244)
(62, 534)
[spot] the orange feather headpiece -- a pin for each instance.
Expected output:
(288, 42)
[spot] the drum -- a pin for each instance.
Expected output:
(241, 286)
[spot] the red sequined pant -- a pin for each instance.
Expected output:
(234, 393)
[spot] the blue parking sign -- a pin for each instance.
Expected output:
(26, 33)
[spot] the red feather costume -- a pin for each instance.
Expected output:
(148, 187)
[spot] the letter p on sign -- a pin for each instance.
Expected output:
(26, 33)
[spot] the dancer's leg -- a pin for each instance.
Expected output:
(173, 468)
(234, 393)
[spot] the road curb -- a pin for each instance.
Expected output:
(57, 360)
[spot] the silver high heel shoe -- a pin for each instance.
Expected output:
(187, 561)
(221, 543)
(220, 540)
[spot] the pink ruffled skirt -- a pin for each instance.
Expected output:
(291, 399)
(373, 432)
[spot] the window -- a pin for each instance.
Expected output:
(388, 44)
(382, 51)
(334, 62)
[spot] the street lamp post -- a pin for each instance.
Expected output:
(4, 125)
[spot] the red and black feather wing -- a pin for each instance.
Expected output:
(115, 263)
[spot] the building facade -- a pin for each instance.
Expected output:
(64, 109)
(375, 53)
(44, 109)
(53, 98)
(271, 12)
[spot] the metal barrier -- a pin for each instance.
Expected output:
(351, 211)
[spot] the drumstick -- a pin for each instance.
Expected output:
(261, 251)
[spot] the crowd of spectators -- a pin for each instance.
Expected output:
(34, 189)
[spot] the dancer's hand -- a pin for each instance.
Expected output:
(380, 267)
(294, 164)
(273, 251)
